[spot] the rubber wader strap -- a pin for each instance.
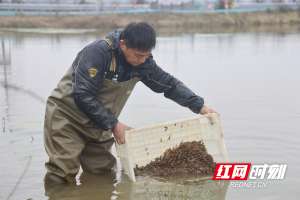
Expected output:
(113, 64)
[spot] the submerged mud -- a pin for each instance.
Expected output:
(189, 159)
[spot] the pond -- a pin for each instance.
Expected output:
(251, 79)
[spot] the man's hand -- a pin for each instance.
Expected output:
(206, 110)
(119, 132)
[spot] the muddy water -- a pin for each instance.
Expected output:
(251, 79)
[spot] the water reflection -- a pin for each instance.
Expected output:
(95, 187)
(91, 187)
(148, 188)
(5, 63)
(252, 79)
(8, 85)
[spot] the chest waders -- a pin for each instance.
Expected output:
(71, 139)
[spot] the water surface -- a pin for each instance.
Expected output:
(251, 79)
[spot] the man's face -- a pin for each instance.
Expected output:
(133, 56)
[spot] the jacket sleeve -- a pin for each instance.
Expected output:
(87, 78)
(162, 82)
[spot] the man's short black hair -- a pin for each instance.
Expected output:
(140, 36)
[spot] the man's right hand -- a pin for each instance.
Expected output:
(119, 132)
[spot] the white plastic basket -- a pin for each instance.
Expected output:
(143, 145)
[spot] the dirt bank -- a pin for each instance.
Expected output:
(163, 21)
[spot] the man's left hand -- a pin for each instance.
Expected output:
(206, 110)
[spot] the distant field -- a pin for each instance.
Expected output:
(163, 21)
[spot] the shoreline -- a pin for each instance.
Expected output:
(280, 29)
(168, 21)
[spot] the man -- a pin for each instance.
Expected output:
(81, 119)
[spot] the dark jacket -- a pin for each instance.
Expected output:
(99, 55)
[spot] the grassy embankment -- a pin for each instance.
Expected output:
(164, 22)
